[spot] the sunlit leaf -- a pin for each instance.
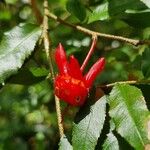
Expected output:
(88, 129)
(111, 142)
(146, 2)
(99, 13)
(15, 47)
(130, 115)
(64, 144)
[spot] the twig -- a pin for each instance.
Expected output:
(46, 38)
(120, 82)
(125, 82)
(59, 116)
(48, 54)
(92, 33)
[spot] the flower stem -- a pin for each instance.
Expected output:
(89, 53)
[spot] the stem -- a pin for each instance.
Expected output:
(46, 38)
(59, 116)
(49, 58)
(125, 82)
(93, 33)
(89, 53)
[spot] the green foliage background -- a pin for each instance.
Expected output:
(27, 109)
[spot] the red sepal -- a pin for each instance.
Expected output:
(61, 59)
(74, 68)
(94, 71)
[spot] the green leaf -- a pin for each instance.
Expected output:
(138, 19)
(76, 8)
(5, 15)
(130, 114)
(39, 72)
(64, 144)
(25, 77)
(118, 7)
(88, 129)
(111, 142)
(133, 12)
(99, 13)
(15, 47)
(146, 2)
(146, 63)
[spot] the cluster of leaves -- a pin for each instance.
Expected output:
(118, 120)
(126, 104)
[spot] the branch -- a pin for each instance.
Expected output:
(49, 58)
(93, 33)
(124, 82)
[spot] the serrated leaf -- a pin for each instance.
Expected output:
(146, 63)
(76, 8)
(99, 13)
(130, 114)
(64, 144)
(88, 129)
(16, 45)
(111, 142)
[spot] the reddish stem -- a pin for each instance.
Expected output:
(89, 54)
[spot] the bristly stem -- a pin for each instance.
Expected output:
(49, 58)
(125, 82)
(134, 42)
(89, 53)
(46, 39)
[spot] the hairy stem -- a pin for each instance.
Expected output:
(93, 33)
(46, 38)
(125, 82)
(48, 54)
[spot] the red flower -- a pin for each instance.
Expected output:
(70, 84)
